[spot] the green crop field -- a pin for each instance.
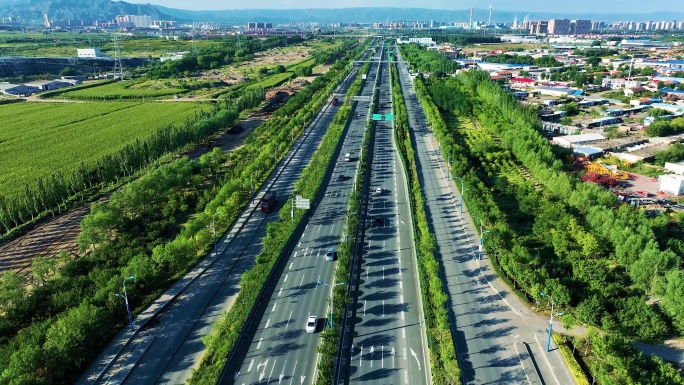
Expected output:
(125, 90)
(38, 139)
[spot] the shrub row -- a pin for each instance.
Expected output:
(443, 361)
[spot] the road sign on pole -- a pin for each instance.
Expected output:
(377, 116)
(389, 117)
(302, 203)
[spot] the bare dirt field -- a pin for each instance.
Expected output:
(232, 75)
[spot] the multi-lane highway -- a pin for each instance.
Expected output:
(389, 343)
(497, 339)
(167, 348)
(276, 347)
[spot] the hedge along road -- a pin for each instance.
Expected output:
(175, 334)
(276, 346)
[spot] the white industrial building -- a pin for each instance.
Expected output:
(418, 40)
(17, 89)
(48, 85)
(89, 52)
(575, 141)
(677, 168)
(672, 184)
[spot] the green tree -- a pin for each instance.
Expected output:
(672, 300)
(651, 265)
(74, 337)
(41, 267)
(12, 289)
(98, 226)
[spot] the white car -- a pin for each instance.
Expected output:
(311, 324)
(378, 190)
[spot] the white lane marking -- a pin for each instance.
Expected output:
(331, 229)
(291, 263)
(383, 307)
(288, 324)
(416, 357)
(268, 322)
(298, 245)
(405, 377)
(274, 306)
(282, 373)
(382, 355)
(364, 307)
(300, 283)
(258, 346)
(249, 369)
(319, 229)
(361, 357)
(280, 292)
(403, 335)
(293, 372)
(295, 254)
(371, 357)
(271, 373)
(405, 355)
(285, 280)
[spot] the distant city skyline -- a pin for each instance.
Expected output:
(523, 6)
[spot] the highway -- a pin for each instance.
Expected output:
(389, 343)
(277, 347)
(497, 339)
(175, 334)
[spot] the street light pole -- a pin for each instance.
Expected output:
(125, 297)
(213, 225)
(548, 340)
(332, 296)
(463, 190)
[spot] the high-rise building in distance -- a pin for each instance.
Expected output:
(559, 27)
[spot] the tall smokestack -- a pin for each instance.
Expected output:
(471, 18)
(490, 15)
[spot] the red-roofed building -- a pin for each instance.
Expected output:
(522, 81)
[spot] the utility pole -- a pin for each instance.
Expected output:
(118, 66)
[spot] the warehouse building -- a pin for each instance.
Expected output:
(672, 184)
(574, 141)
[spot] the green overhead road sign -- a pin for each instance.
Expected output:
(377, 116)
(389, 117)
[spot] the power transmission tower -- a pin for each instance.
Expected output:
(118, 66)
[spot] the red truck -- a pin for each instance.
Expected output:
(268, 202)
(334, 102)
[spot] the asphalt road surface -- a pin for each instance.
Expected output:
(176, 345)
(495, 340)
(389, 343)
(277, 347)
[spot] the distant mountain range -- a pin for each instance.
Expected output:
(108, 10)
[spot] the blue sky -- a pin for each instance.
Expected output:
(574, 6)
